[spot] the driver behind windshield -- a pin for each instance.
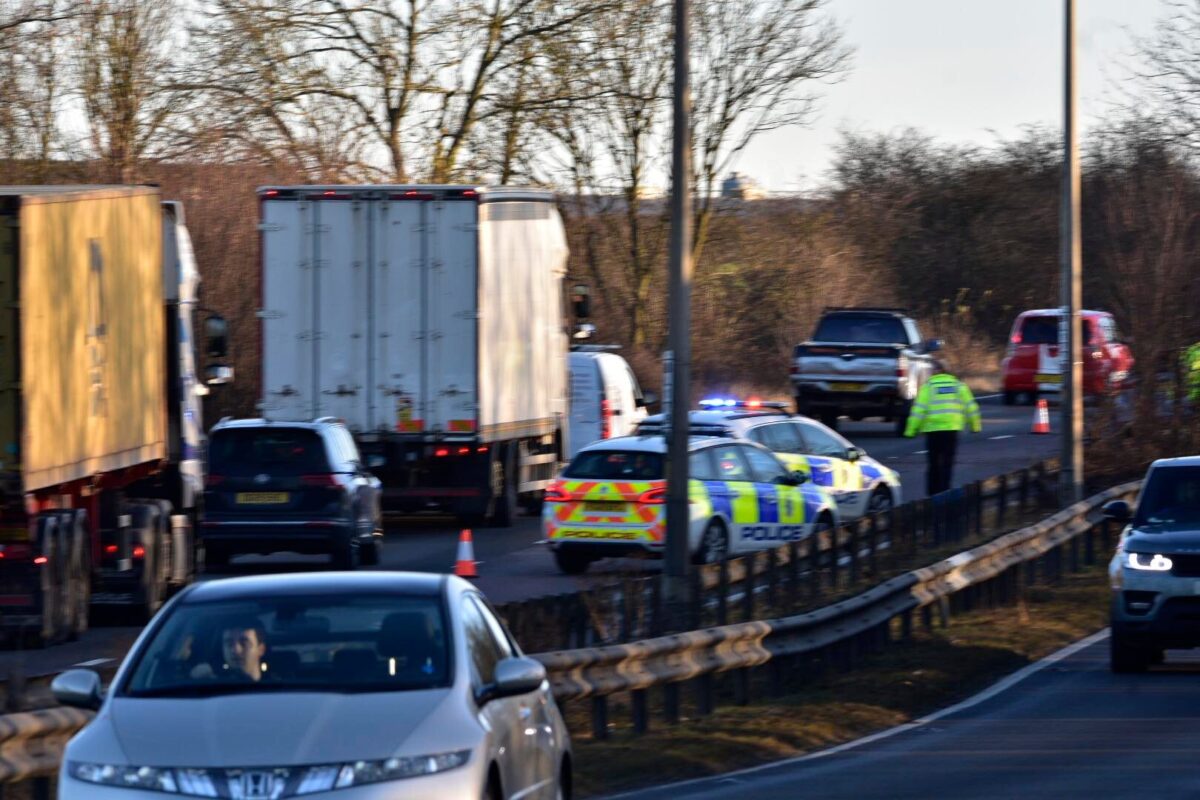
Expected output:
(243, 647)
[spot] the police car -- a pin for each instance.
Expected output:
(858, 483)
(610, 501)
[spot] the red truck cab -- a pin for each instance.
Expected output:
(1033, 364)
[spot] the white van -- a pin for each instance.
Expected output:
(606, 400)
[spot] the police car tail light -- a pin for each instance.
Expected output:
(655, 496)
(556, 494)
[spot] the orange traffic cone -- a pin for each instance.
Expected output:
(464, 566)
(1041, 417)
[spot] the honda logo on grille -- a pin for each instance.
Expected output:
(256, 786)
(262, 478)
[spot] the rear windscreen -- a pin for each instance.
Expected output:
(1044, 330)
(279, 451)
(620, 465)
(861, 329)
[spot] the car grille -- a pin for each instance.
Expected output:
(1185, 566)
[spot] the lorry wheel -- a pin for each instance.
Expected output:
(570, 562)
(79, 584)
(145, 531)
(50, 575)
(504, 504)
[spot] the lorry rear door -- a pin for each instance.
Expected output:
(288, 315)
(452, 397)
(398, 315)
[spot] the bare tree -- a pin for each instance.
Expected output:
(124, 52)
(756, 61)
(1170, 72)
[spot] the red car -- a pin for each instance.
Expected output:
(1033, 364)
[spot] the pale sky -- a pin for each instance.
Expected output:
(965, 71)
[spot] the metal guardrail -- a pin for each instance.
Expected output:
(983, 575)
(31, 743)
(788, 578)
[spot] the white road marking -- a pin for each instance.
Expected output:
(987, 694)
(920, 452)
(987, 396)
(997, 438)
(95, 662)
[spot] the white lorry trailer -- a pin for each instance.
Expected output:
(430, 320)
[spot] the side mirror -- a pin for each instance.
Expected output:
(218, 374)
(1118, 511)
(78, 688)
(376, 461)
(515, 676)
(649, 399)
(933, 345)
(581, 300)
(853, 453)
(216, 332)
(586, 331)
(793, 478)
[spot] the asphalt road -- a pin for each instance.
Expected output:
(1071, 729)
(514, 565)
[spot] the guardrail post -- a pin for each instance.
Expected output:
(835, 534)
(814, 566)
(906, 625)
(705, 694)
(741, 686)
(671, 703)
(1089, 545)
(772, 580)
(641, 720)
(748, 586)
(943, 607)
(852, 551)
(1106, 534)
(1001, 501)
(793, 575)
(927, 617)
(599, 717)
(873, 545)
(775, 670)
(723, 592)
(1074, 554)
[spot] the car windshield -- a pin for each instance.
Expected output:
(616, 465)
(861, 329)
(1172, 495)
(367, 643)
(242, 452)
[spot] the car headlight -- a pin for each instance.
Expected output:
(1148, 563)
(323, 779)
(151, 778)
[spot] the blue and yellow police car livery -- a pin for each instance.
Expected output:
(858, 483)
(610, 501)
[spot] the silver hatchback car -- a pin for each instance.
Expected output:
(355, 686)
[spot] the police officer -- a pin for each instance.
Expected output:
(944, 406)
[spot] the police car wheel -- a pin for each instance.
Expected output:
(714, 546)
(880, 501)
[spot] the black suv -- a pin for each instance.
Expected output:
(1155, 572)
(295, 487)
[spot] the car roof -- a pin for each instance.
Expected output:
(649, 443)
(425, 584)
(1181, 461)
(313, 425)
(1054, 312)
(720, 416)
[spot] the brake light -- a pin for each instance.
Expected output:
(324, 479)
(139, 552)
(902, 367)
(41, 560)
(481, 449)
(605, 419)
(462, 451)
(655, 496)
(442, 452)
(796, 369)
(556, 494)
(111, 549)
(214, 480)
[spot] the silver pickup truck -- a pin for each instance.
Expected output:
(862, 362)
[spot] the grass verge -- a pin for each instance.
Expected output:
(934, 669)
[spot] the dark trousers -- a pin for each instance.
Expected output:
(942, 446)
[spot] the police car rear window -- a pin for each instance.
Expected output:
(621, 465)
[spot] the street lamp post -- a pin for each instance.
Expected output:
(1070, 258)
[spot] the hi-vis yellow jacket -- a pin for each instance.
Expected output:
(943, 404)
